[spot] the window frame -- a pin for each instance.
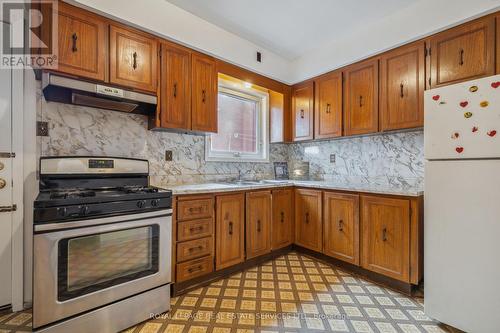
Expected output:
(262, 131)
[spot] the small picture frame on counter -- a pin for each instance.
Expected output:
(280, 170)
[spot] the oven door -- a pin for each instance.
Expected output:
(82, 265)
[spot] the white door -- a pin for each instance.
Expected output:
(461, 250)
(5, 187)
(462, 121)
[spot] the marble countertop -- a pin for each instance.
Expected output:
(327, 185)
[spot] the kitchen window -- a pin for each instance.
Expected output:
(242, 125)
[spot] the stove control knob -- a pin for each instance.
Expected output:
(84, 210)
(155, 202)
(141, 203)
(61, 212)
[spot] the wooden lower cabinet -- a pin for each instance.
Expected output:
(341, 226)
(229, 230)
(308, 219)
(258, 223)
(386, 236)
(282, 218)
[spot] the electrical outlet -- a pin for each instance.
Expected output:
(42, 128)
(168, 155)
(332, 158)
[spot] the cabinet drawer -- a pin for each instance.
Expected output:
(194, 268)
(195, 209)
(194, 249)
(194, 229)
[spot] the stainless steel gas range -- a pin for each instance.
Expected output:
(102, 245)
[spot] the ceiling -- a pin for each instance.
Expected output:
(291, 28)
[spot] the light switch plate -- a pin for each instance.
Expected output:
(42, 128)
(332, 158)
(168, 155)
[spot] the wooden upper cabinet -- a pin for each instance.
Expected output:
(204, 93)
(328, 106)
(282, 218)
(463, 53)
(82, 43)
(361, 98)
(308, 219)
(279, 110)
(175, 87)
(258, 223)
(402, 83)
(497, 43)
(341, 226)
(230, 230)
(386, 236)
(303, 108)
(133, 59)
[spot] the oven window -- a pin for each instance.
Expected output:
(93, 262)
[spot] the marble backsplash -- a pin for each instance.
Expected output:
(389, 159)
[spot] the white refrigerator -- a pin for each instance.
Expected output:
(462, 205)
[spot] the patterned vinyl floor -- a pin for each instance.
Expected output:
(293, 293)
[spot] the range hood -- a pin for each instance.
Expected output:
(57, 88)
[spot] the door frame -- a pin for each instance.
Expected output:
(17, 298)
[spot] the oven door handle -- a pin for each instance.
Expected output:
(50, 227)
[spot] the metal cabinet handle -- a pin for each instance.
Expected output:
(195, 269)
(195, 209)
(193, 229)
(230, 227)
(401, 87)
(328, 108)
(6, 209)
(175, 90)
(307, 218)
(3, 183)
(461, 57)
(282, 215)
(360, 101)
(384, 234)
(203, 95)
(197, 248)
(302, 113)
(258, 225)
(134, 64)
(341, 225)
(74, 37)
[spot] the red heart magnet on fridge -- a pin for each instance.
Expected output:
(435, 97)
(495, 84)
(459, 149)
(475, 129)
(492, 133)
(464, 104)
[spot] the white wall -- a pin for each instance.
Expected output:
(174, 23)
(420, 19)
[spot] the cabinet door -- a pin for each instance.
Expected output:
(328, 106)
(204, 93)
(308, 219)
(497, 43)
(361, 98)
(258, 223)
(230, 233)
(133, 59)
(341, 226)
(82, 43)
(385, 236)
(463, 53)
(303, 104)
(402, 87)
(175, 87)
(282, 220)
